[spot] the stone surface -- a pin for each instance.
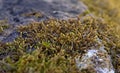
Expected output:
(96, 60)
(18, 12)
(15, 9)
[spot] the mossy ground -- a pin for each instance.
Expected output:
(3, 26)
(109, 10)
(51, 46)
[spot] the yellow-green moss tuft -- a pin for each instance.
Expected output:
(52, 45)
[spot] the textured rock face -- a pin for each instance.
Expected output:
(95, 61)
(18, 12)
(62, 9)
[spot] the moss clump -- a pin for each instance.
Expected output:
(3, 26)
(109, 10)
(52, 45)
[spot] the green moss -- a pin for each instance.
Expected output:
(3, 26)
(51, 46)
(109, 10)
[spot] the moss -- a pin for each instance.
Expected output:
(52, 45)
(3, 26)
(110, 12)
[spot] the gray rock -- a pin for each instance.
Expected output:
(61, 9)
(96, 59)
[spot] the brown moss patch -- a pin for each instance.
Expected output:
(52, 45)
(109, 10)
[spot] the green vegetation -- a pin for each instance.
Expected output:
(109, 10)
(51, 46)
(3, 26)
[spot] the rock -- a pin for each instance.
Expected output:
(98, 60)
(95, 61)
(19, 12)
(61, 9)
